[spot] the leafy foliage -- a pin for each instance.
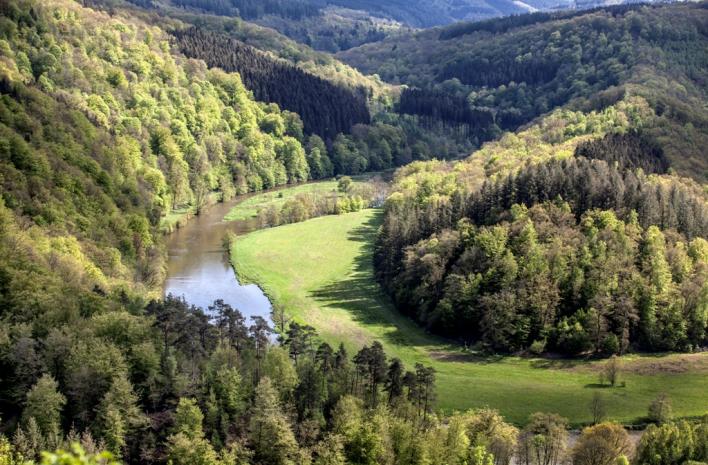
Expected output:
(326, 109)
(566, 254)
(513, 70)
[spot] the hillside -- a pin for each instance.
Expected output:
(546, 271)
(339, 297)
(500, 74)
(555, 238)
(340, 24)
(104, 129)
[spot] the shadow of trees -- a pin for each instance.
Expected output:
(360, 294)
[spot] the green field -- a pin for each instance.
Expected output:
(320, 270)
(252, 205)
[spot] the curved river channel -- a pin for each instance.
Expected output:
(198, 268)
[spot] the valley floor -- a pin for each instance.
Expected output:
(321, 272)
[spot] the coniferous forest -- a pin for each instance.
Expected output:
(325, 109)
(534, 190)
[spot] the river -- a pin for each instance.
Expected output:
(198, 268)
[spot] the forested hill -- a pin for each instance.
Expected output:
(335, 25)
(415, 13)
(106, 129)
(325, 108)
(500, 74)
(564, 236)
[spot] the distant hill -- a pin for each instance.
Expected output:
(415, 13)
(336, 25)
(500, 74)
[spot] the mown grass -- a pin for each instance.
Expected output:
(321, 272)
(250, 207)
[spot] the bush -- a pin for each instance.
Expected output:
(610, 344)
(77, 456)
(538, 347)
(660, 410)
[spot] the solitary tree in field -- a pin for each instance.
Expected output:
(598, 409)
(612, 369)
(660, 409)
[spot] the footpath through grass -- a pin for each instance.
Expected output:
(321, 272)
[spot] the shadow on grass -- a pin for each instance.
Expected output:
(555, 363)
(456, 354)
(360, 294)
(362, 297)
(597, 386)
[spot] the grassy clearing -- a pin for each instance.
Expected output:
(250, 207)
(320, 270)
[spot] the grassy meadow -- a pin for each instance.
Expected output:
(250, 207)
(321, 272)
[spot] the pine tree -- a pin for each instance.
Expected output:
(394, 380)
(44, 404)
(270, 433)
(119, 414)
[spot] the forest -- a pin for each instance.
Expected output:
(574, 235)
(515, 69)
(325, 109)
(530, 246)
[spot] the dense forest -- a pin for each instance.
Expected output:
(175, 386)
(529, 245)
(415, 13)
(325, 109)
(515, 69)
(571, 235)
(253, 9)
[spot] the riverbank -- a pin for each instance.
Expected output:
(320, 272)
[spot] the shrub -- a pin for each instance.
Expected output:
(660, 409)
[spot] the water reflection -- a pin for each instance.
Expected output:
(198, 268)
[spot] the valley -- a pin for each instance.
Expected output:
(352, 232)
(321, 272)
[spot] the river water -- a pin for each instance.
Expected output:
(198, 268)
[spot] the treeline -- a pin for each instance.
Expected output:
(505, 24)
(325, 109)
(254, 9)
(595, 184)
(437, 105)
(347, 198)
(169, 383)
(541, 279)
(483, 72)
(483, 268)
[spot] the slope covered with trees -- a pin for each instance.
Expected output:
(325, 109)
(416, 13)
(515, 69)
(104, 128)
(528, 245)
